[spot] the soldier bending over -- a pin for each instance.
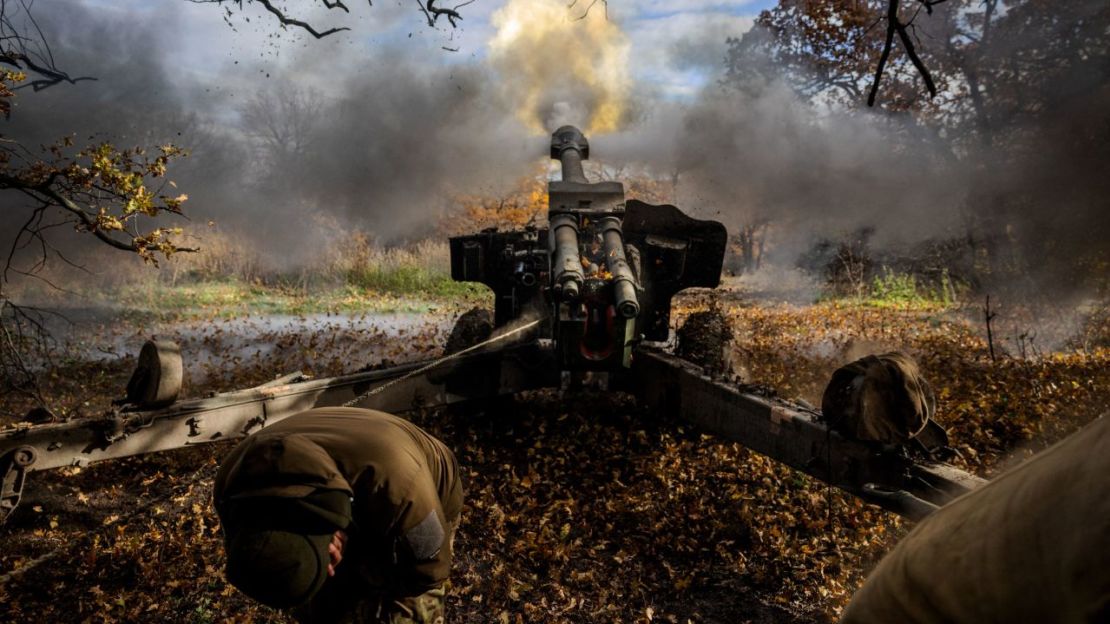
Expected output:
(341, 515)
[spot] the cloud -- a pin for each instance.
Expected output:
(658, 8)
(680, 52)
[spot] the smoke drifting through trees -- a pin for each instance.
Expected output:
(383, 146)
(1011, 157)
(1020, 169)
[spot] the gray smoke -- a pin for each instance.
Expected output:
(770, 156)
(280, 134)
(382, 144)
(1036, 191)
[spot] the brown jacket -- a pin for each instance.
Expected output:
(1033, 545)
(405, 485)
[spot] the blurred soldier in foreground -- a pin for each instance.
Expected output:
(1031, 546)
(341, 515)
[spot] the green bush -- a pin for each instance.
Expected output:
(904, 289)
(895, 287)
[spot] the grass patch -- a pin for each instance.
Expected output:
(406, 280)
(229, 298)
(353, 276)
(893, 288)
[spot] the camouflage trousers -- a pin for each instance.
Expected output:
(425, 608)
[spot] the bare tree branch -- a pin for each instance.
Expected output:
(432, 12)
(285, 20)
(288, 21)
(29, 52)
(21, 333)
(894, 25)
(586, 13)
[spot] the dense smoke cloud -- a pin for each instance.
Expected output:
(391, 151)
(380, 144)
(1025, 184)
(771, 156)
(384, 143)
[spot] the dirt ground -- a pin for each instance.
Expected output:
(580, 508)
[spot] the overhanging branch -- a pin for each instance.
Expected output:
(895, 26)
(288, 21)
(433, 13)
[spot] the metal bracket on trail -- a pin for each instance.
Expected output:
(795, 436)
(235, 414)
(14, 465)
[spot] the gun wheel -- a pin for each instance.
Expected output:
(473, 327)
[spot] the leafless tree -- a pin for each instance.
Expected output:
(282, 123)
(751, 239)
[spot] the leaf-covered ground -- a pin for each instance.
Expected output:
(580, 508)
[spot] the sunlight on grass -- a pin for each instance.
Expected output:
(902, 291)
(381, 293)
(226, 280)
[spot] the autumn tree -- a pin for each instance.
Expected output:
(1019, 90)
(117, 195)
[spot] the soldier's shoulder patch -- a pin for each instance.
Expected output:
(426, 538)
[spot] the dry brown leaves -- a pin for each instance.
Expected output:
(579, 508)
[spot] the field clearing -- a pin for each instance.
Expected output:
(582, 508)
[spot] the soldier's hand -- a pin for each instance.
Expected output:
(335, 550)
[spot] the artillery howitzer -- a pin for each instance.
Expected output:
(589, 296)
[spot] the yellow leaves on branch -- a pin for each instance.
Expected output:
(114, 187)
(8, 79)
(124, 174)
(155, 242)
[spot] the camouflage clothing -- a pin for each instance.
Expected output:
(406, 496)
(337, 607)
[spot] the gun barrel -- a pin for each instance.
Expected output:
(572, 166)
(570, 147)
(624, 283)
(567, 267)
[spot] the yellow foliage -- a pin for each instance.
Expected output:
(525, 203)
